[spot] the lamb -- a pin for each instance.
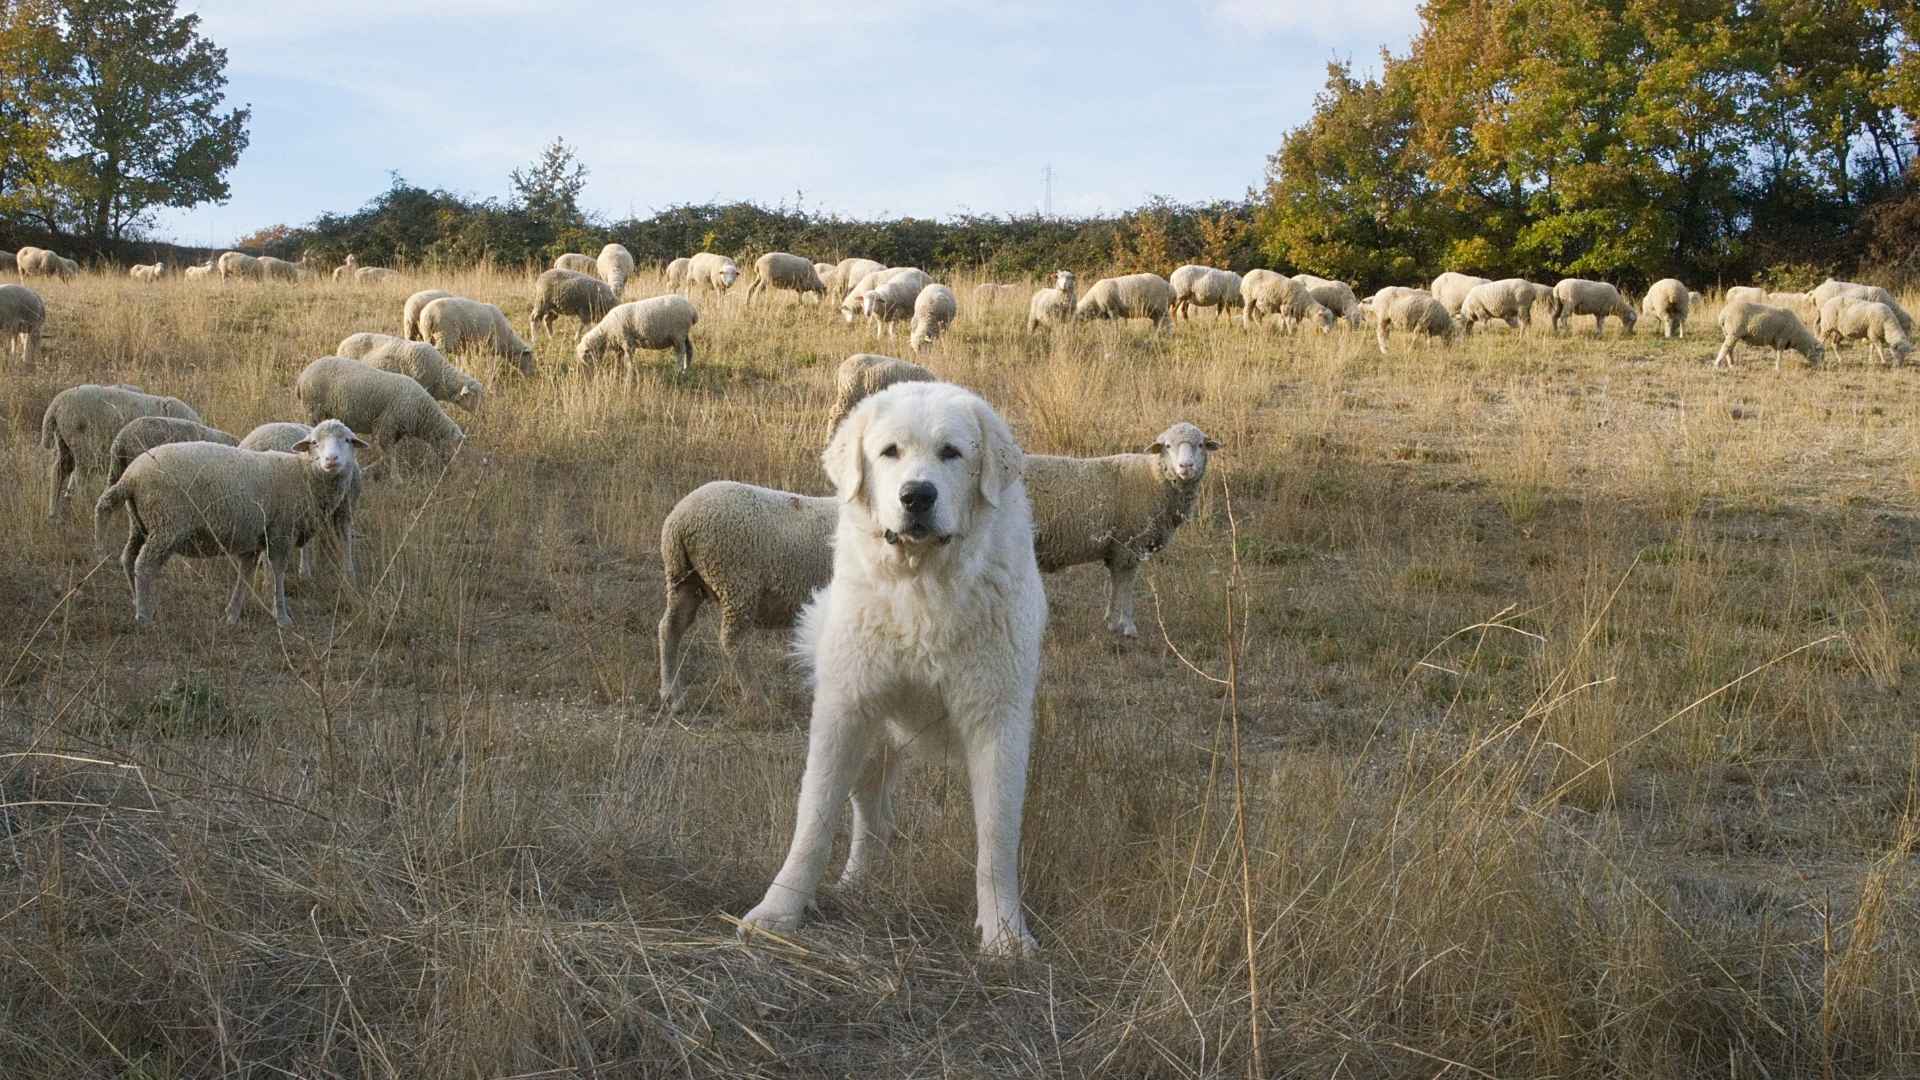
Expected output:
(149, 272)
(1848, 318)
(1414, 311)
(576, 262)
(710, 271)
(375, 275)
(1132, 296)
(1745, 322)
(662, 322)
(1203, 286)
(933, 312)
(846, 274)
(1335, 296)
(1578, 296)
(677, 273)
(1511, 300)
(39, 262)
(1830, 288)
(142, 434)
(1669, 302)
(79, 426)
(1264, 293)
(234, 264)
(454, 324)
(1116, 510)
(1451, 289)
(757, 552)
(564, 292)
(1054, 305)
(387, 405)
(410, 311)
(284, 437)
(22, 317)
(854, 303)
(195, 273)
(890, 301)
(864, 374)
(779, 270)
(419, 361)
(203, 500)
(616, 266)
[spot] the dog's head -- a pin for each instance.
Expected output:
(924, 462)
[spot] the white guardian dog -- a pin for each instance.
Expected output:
(926, 641)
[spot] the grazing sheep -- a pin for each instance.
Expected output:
(1451, 289)
(79, 426)
(576, 262)
(419, 361)
(854, 303)
(1054, 305)
(616, 266)
(234, 264)
(268, 268)
(194, 273)
(779, 270)
(204, 500)
(710, 271)
(890, 302)
(22, 316)
(387, 405)
(410, 311)
(662, 322)
(1116, 510)
(1767, 326)
(1829, 289)
(375, 275)
(1801, 304)
(455, 324)
(1668, 302)
(1264, 293)
(1848, 318)
(677, 273)
(1746, 293)
(1510, 300)
(1132, 296)
(1335, 296)
(864, 374)
(758, 553)
(344, 272)
(150, 272)
(989, 294)
(846, 274)
(1203, 286)
(933, 312)
(39, 262)
(1578, 296)
(824, 271)
(564, 292)
(284, 437)
(1415, 312)
(143, 433)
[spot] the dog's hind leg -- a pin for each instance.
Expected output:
(873, 813)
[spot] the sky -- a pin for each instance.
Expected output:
(862, 108)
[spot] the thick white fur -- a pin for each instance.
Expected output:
(925, 645)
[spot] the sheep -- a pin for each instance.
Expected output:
(933, 312)
(9, 261)
(1803, 305)
(1451, 289)
(616, 266)
(854, 303)
(1414, 311)
(234, 264)
(143, 433)
(1848, 318)
(39, 262)
(1335, 296)
(284, 437)
(890, 301)
(149, 273)
(419, 361)
(344, 271)
(1264, 293)
(1745, 322)
(1053, 305)
(710, 271)
(374, 275)
(865, 374)
(989, 294)
(22, 316)
(779, 270)
(846, 274)
(386, 405)
(677, 273)
(1829, 289)
(203, 500)
(1747, 293)
(454, 324)
(1510, 300)
(824, 271)
(662, 322)
(1669, 302)
(1132, 296)
(268, 268)
(758, 553)
(195, 273)
(79, 426)
(1578, 296)
(576, 262)
(565, 292)
(1116, 510)
(410, 311)
(1203, 286)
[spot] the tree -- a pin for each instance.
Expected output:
(548, 190)
(29, 40)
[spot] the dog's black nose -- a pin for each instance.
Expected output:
(918, 496)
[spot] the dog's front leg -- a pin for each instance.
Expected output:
(997, 776)
(838, 739)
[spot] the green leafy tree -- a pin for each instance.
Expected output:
(29, 45)
(548, 189)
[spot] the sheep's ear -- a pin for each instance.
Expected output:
(1157, 447)
(1212, 445)
(845, 460)
(1002, 464)
(303, 446)
(358, 442)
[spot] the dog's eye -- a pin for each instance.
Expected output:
(892, 451)
(948, 453)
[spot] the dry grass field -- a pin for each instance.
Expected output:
(1539, 707)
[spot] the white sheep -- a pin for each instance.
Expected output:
(1802, 304)
(564, 292)
(284, 436)
(1130, 296)
(194, 273)
(1335, 296)
(662, 322)
(375, 275)
(148, 272)
(204, 500)
(344, 272)
(1451, 289)
(846, 274)
(268, 268)
(1510, 300)
(1829, 289)
(1668, 302)
(576, 262)
(23, 315)
(615, 264)
(854, 303)
(386, 405)
(419, 361)
(1265, 293)
(142, 434)
(39, 262)
(757, 552)
(677, 273)
(1055, 304)
(890, 302)
(79, 426)
(1767, 326)
(454, 324)
(712, 272)
(865, 374)
(1579, 296)
(824, 271)
(933, 312)
(1116, 510)
(410, 311)
(1203, 286)
(1848, 318)
(779, 270)
(1415, 312)
(989, 294)
(1748, 293)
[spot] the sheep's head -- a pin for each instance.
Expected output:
(472, 394)
(332, 447)
(851, 307)
(1183, 450)
(1063, 280)
(1627, 318)
(729, 274)
(1321, 317)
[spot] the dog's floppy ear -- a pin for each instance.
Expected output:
(845, 461)
(1002, 464)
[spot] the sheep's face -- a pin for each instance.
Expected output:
(728, 275)
(850, 308)
(332, 447)
(1183, 450)
(1321, 317)
(1063, 280)
(918, 457)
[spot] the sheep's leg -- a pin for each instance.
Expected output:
(242, 571)
(1725, 355)
(343, 528)
(733, 629)
(873, 822)
(58, 476)
(146, 566)
(1120, 574)
(686, 354)
(278, 556)
(32, 347)
(683, 604)
(1380, 334)
(136, 539)
(306, 559)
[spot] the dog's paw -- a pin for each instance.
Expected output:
(769, 917)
